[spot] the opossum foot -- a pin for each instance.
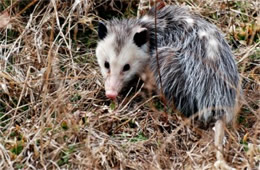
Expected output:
(221, 164)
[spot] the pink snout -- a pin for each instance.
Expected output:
(111, 94)
(113, 85)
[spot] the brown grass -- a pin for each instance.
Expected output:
(53, 112)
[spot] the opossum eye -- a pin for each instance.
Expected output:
(126, 67)
(107, 65)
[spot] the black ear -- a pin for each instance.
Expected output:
(140, 38)
(102, 30)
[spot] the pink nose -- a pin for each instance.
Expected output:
(111, 95)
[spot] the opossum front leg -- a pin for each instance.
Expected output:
(148, 78)
(219, 136)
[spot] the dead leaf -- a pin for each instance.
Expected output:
(4, 87)
(258, 23)
(4, 19)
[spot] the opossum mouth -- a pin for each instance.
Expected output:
(111, 94)
(113, 85)
(123, 88)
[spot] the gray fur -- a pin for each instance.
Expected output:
(197, 67)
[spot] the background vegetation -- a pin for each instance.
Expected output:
(53, 112)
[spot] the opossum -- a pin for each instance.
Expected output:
(196, 66)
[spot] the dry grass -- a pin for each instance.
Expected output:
(53, 112)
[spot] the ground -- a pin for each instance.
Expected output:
(53, 111)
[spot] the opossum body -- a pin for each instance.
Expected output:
(198, 72)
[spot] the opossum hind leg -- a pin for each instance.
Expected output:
(219, 136)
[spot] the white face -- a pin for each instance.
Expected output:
(117, 69)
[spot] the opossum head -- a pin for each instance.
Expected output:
(122, 52)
